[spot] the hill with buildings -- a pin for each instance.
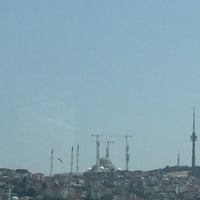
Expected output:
(113, 184)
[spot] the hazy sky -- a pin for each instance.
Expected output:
(72, 68)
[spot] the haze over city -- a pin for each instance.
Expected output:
(70, 69)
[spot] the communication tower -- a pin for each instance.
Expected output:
(193, 139)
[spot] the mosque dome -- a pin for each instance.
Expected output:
(105, 164)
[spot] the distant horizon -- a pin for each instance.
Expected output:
(167, 166)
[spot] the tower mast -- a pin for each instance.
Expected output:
(193, 139)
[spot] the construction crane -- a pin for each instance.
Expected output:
(108, 148)
(127, 157)
(97, 149)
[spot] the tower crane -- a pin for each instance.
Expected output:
(126, 149)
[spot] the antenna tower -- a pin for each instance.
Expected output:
(193, 139)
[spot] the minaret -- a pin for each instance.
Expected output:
(77, 158)
(193, 139)
(127, 151)
(51, 172)
(72, 159)
(108, 148)
(178, 160)
(97, 150)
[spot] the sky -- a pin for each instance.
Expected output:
(73, 68)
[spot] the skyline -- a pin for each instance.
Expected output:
(70, 69)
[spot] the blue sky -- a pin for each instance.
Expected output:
(69, 69)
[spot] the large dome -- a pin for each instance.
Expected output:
(105, 164)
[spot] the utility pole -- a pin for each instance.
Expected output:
(72, 157)
(51, 171)
(108, 148)
(10, 189)
(77, 158)
(97, 150)
(193, 139)
(127, 150)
